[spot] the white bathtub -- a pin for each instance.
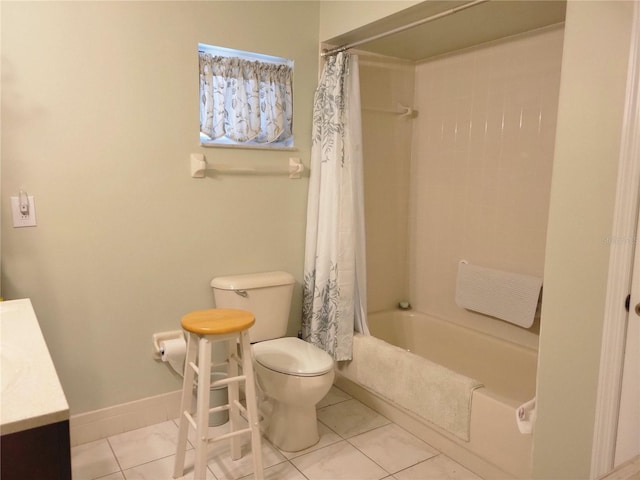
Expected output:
(495, 448)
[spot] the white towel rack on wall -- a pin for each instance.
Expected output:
(199, 165)
(402, 111)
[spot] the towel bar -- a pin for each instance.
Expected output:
(199, 165)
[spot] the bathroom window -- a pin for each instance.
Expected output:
(246, 99)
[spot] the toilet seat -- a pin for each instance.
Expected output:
(292, 356)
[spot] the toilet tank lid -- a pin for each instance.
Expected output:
(252, 280)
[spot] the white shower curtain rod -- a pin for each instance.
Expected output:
(403, 28)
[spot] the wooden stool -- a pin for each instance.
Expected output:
(204, 327)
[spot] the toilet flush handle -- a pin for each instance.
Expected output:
(242, 293)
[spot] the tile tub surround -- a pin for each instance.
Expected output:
(467, 178)
(31, 392)
(482, 157)
(377, 449)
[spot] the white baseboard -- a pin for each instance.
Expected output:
(90, 426)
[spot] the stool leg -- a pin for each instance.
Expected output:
(202, 408)
(185, 404)
(234, 398)
(252, 406)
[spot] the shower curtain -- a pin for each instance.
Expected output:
(334, 290)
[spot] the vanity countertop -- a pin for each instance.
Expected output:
(31, 394)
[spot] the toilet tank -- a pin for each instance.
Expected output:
(267, 295)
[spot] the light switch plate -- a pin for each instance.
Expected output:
(20, 219)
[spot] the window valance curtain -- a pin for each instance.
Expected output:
(246, 101)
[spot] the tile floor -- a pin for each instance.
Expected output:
(356, 444)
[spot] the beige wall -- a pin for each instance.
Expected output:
(99, 117)
(590, 114)
(386, 140)
(481, 169)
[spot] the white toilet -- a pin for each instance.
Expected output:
(293, 374)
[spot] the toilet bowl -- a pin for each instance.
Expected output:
(294, 375)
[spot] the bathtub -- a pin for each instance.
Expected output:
(495, 448)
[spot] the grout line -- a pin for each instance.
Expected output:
(113, 452)
(297, 469)
(439, 454)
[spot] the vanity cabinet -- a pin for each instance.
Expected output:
(42, 453)
(34, 413)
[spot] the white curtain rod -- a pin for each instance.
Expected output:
(403, 28)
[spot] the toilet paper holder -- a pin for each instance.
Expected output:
(163, 337)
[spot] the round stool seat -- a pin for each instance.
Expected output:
(217, 321)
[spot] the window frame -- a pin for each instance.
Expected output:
(224, 142)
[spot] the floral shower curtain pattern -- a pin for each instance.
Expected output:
(334, 289)
(244, 100)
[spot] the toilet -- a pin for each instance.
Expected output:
(293, 375)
